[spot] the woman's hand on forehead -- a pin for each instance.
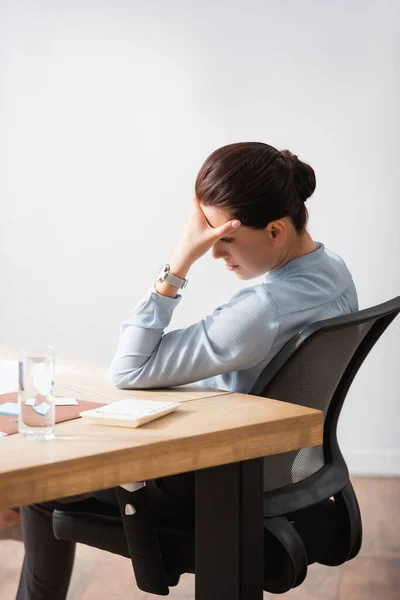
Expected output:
(198, 236)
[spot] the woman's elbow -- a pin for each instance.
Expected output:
(115, 377)
(125, 381)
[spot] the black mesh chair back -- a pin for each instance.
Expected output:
(315, 369)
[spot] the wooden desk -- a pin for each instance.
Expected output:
(210, 429)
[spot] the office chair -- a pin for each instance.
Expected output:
(311, 513)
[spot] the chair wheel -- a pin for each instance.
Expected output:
(285, 562)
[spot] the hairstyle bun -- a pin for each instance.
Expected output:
(304, 176)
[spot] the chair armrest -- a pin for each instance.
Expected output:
(141, 538)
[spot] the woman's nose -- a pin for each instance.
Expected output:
(218, 250)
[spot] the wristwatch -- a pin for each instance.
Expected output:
(170, 278)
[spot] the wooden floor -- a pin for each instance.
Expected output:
(373, 575)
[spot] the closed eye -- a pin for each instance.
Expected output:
(226, 240)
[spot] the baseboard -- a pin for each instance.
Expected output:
(375, 461)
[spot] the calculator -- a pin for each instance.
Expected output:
(130, 412)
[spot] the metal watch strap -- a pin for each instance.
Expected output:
(171, 279)
(178, 282)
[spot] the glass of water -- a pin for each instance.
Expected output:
(36, 393)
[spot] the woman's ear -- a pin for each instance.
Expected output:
(277, 232)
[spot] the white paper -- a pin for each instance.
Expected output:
(57, 402)
(66, 402)
(10, 409)
(42, 408)
(9, 375)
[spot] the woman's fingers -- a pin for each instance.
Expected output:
(198, 236)
(226, 228)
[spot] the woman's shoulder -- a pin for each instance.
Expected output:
(254, 301)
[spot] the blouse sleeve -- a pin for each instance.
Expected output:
(236, 336)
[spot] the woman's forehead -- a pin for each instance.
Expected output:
(215, 216)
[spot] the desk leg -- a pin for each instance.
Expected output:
(229, 532)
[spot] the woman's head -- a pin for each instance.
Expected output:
(266, 190)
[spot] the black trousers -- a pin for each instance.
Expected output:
(48, 562)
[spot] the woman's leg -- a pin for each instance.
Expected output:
(48, 562)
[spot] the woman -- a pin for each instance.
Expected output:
(249, 209)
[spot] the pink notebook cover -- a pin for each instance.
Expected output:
(9, 424)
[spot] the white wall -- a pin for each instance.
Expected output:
(108, 110)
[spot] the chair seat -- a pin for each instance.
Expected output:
(100, 531)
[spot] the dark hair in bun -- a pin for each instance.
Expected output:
(304, 176)
(257, 184)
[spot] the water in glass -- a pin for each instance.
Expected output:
(36, 394)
